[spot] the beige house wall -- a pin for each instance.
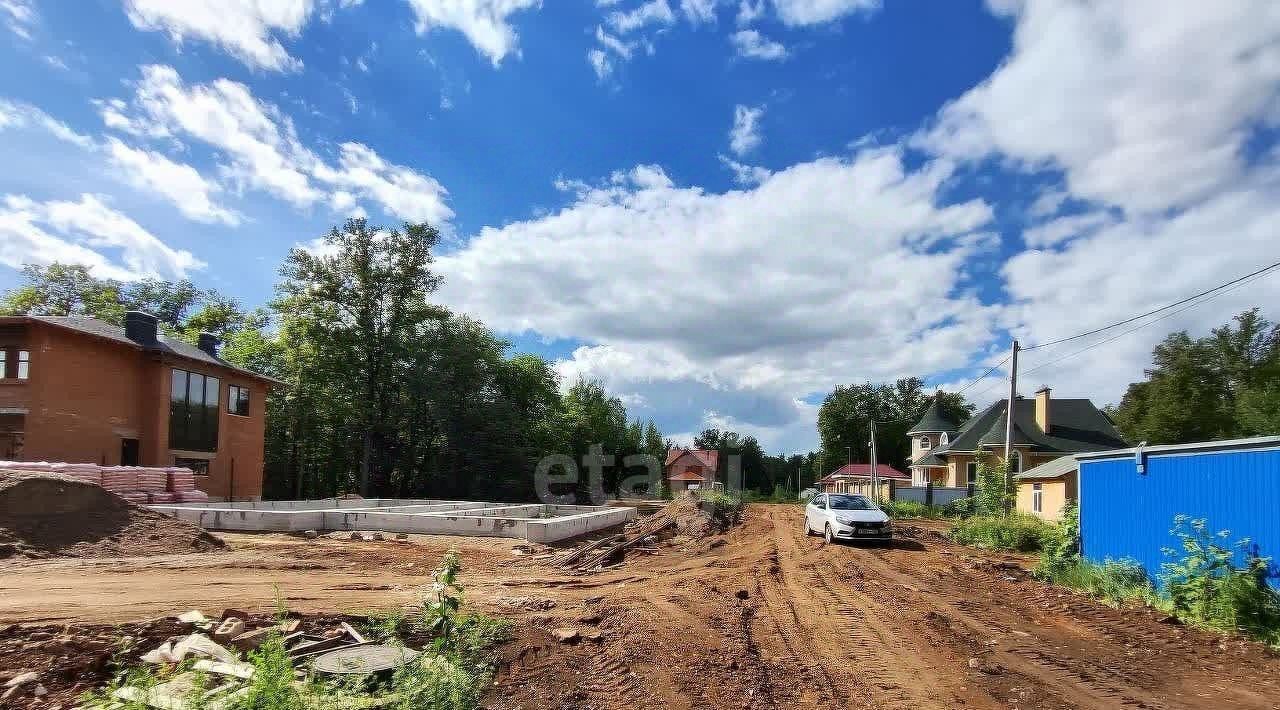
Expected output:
(1054, 496)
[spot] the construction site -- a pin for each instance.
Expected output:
(606, 607)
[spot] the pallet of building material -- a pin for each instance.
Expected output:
(591, 561)
(180, 480)
(120, 479)
(190, 497)
(134, 496)
(160, 498)
(153, 480)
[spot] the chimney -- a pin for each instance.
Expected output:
(1042, 409)
(209, 343)
(140, 327)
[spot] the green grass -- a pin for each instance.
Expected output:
(1115, 582)
(900, 509)
(1012, 533)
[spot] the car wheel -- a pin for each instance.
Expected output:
(828, 536)
(808, 530)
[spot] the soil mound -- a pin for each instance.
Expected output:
(48, 515)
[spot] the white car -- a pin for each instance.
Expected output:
(839, 516)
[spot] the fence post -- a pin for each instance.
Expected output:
(928, 492)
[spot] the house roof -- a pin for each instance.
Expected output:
(1056, 468)
(930, 459)
(1077, 427)
(1258, 442)
(707, 457)
(934, 420)
(108, 331)
(685, 476)
(863, 470)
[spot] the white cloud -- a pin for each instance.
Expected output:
(80, 232)
(750, 44)
(653, 12)
(178, 183)
(15, 114)
(245, 29)
(749, 11)
(815, 12)
(19, 16)
(747, 175)
(744, 136)
(485, 23)
(697, 11)
(1057, 231)
(1151, 112)
(669, 287)
(600, 63)
(261, 149)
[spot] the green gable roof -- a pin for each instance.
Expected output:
(933, 421)
(1076, 426)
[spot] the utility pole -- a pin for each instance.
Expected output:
(875, 471)
(1008, 419)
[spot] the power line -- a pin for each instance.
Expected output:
(984, 375)
(1175, 304)
(1237, 284)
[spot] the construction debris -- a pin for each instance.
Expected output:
(228, 629)
(193, 645)
(243, 671)
(567, 635)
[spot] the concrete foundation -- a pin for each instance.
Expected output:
(535, 522)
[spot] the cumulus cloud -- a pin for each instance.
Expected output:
(19, 16)
(750, 44)
(744, 174)
(246, 29)
(485, 23)
(744, 136)
(178, 183)
(747, 297)
(261, 149)
(815, 12)
(80, 232)
(19, 115)
(1152, 111)
(1149, 126)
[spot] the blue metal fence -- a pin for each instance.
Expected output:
(1125, 513)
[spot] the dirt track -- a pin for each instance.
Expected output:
(770, 618)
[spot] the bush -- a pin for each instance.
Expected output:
(1014, 533)
(958, 508)
(1114, 581)
(1061, 551)
(910, 509)
(726, 508)
(1205, 587)
(995, 491)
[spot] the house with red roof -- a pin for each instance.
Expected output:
(690, 469)
(856, 478)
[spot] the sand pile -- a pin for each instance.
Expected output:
(49, 514)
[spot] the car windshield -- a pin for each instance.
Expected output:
(852, 503)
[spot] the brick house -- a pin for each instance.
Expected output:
(690, 469)
(81, 390)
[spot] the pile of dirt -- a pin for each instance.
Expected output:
(51, 515)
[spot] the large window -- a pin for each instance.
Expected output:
(971, 472)
(238, 400)
(193, 412)
(1037, 496)
(15, 364)
(1015, 462)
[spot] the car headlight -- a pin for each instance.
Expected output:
(845, 520)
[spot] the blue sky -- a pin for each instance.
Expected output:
(721, 209)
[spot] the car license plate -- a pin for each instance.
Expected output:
(868, 532)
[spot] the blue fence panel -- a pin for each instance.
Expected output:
(1124, 513)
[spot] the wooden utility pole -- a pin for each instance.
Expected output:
(1008, 421)
(875, 471)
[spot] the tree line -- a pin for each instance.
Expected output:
(384, 392)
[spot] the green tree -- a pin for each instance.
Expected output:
(1224, 385)
(361, 301)
(64, 290)
(844, 420)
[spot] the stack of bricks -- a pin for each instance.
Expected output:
(137, 484)
(182, 484)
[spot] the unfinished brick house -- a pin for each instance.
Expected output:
(81, 390)
(690, 469)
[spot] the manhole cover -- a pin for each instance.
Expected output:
(362, 660)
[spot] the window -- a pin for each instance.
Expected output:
(1037, 496)
(15, 364)
(200, 467)
(971, 472)
(943, 439)
(238, 400)
(924, 443)
(1015, 462)
(193, 411)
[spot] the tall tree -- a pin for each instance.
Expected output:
(844, 420)
(361, 298)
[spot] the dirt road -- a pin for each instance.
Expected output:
(761, 617)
